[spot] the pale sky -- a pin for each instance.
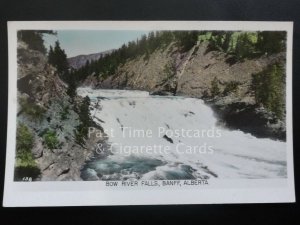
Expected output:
(78, 42)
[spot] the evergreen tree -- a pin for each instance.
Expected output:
(186, 39)
(51, 57)
(226, 41)
(269, 89)
(85, 121)
(34, 39)
(244, 47)
(58, 58)
(271, 42)
(71, 91)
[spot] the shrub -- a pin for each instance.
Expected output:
(31, 109)
(215, 41)
(64, 113)
(50, 139)
(186, 39)
(231, 87)
(245, 46)
(24, 140)
(205, 94)
(81, 134)
(169, 71)
(269, 89)
(25, 160)
(85, 121)
(214, 89)
(25, 164)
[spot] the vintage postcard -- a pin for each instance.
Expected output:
(139, 113)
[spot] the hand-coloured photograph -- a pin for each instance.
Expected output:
(154, 106)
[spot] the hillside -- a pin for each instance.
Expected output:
(48, 120)
(78, 61)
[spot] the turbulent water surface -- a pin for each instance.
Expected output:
(159, 137)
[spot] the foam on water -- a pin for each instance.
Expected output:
(231, 154)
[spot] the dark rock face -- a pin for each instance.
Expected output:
(161, 93)
(250, 118)
(23, 84)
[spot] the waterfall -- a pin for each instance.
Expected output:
(172, 137)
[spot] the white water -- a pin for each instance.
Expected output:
(208, 151)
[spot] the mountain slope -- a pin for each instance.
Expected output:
(47, 123)
(78, 61)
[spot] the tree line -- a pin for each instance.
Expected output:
(34, 38)
(144, 46)
(242, 45)
(238, 45)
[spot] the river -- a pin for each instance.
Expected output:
(173, 137)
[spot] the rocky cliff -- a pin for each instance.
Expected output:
(47, 121)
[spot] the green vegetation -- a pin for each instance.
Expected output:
(71, 91)
(236, 44)
(51, 140)
(214, 89)
(269, 89)
(245, 46)
(58, 58)
(85, 121)
(242, 45)
(147, 44)
(169, 71)
(231, 87)
(186, 39)
(205, 36)
(31, 109)
(271, 42)
(24, 140)
(25, 163)
(34, 38)
(218, 40)
(64, 113)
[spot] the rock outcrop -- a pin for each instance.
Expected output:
(44, 106)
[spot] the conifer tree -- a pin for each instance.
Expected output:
(58, 58)
(269, 89)
(271, 42)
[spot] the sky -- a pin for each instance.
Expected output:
(78, 42)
